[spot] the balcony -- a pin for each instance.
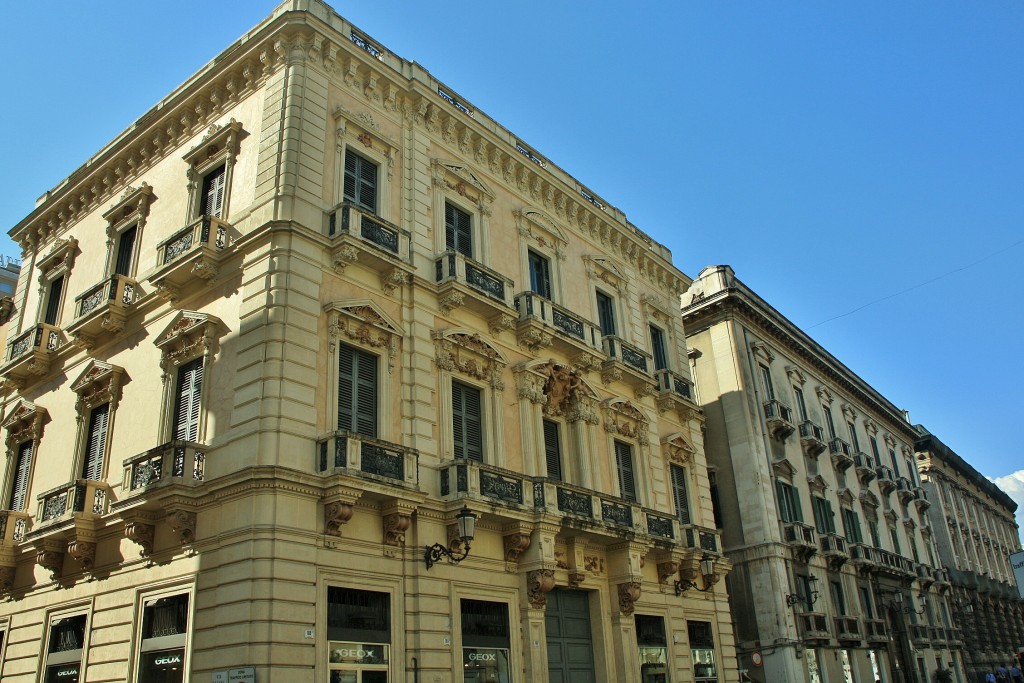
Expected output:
(862, 556)
(30, 354)
(102, 310)
(13, 527)
(875, 632)
(941, 576)
(939, 636)
(800, 538)
(894, 565)
(925, 575)
(463, 282)
(67, 521)
(193, 253)
(921, 501)
(675, 391)
(955, 637)
(842, 454)
(628, 363)
(543, 323)
(84, 497)
(176, 462)
(847, 629)
(358, 235)
(700, 538)
(833, 549)
(812, 439)
(371, 461)
(779, 419)
(919, 636)
(813, 626)
(886, 479)
(904, 490)
(864, 467)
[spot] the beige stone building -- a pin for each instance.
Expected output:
(975, 534)
(274, 351)
(835, 575)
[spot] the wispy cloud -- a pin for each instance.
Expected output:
(1013, 485)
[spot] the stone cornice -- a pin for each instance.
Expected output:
(740, 303)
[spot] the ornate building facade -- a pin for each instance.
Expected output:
(975, 534)
(319, 370)
(835, 576)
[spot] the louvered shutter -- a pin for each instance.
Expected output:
(606, 314)
(360, 185)
(53, 300)
(540, 275)
(125, 250)
(624, 463)
(96, 444)
(213, 192)
(187, 401)
(357, 391)
(467, 427)
(458, 235)
(552, 450)
(22, 469)
(679, 494)
(349, 193)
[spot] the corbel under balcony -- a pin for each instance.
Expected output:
(813, 626)
(102, 310)
(875, 632)
(886, 479)
(904, 490)
(676, 392)
(191, 255)
(801, 539)
(358, 235)
(847, 630)
(465, 283)
(30, 354)
(862, 557)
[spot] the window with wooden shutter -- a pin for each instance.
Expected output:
(212, 200)
(53, 300)
(96, 443)
(789, 502)
(467, 423)
(22, 470)
(824, 518)
(357, 391)
(458, 235)
(658, 348)
(552, 450)
(540, 274)
(606, 314)
(360, 181)
(187, 401)
(125, 251)
(679, 494)
(624, 464)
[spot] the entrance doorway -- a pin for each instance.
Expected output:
(570, 646)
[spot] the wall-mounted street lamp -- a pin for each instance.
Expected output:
(466, 519)
(707, 570)
(794, 598)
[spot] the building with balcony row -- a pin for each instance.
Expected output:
(835, 573)
(318, 369)
(975, 533)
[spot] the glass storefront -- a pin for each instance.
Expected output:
(485, 642)
(702, 650)
(650, 637)
(164, 630)
(64, 650)
(359, 635)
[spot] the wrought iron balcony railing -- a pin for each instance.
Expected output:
(675, 383)
(368, 228)
(779, 418)
(175, 461)
(42, 338)
(543, 322)
(355, 454)
(493, 288)
(85, 496)
(812, 438)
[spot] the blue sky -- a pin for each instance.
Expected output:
(835, 155)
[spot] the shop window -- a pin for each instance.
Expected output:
(64, 650)
(650, 637)
(359, 635)
(702, 649)
(164, 633)
(485, 642)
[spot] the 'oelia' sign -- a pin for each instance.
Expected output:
(1017, 562)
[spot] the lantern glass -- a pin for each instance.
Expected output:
(467, 524)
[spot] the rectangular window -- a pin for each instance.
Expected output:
(853, 436)
(895, 463)
(125, 251)
(789, 502)
(624, 465)
(702, 648)
(359, 635)
(658, 348)
(540, 274)
(357, 391)
(211, 202)
(164, 630)
(895, 540)
(467, 419)
(22, 470)
(801, 406)
(838, 599)
(874, 450)
(64, 650)
(96, 443)
(606, 314)
(679, 493)
(873, 530)
(485, 640)
(650, 638)
(458, 235)
(829, 423)
(766, 383)
(360, 181)
(851, 526)
(187, 395)
(54, 297)
(824, 519)
(552, 450)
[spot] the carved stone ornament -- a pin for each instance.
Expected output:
(83, 552)
(191, 334)
(7, 309)
(460, 179)
(824, 395)
(470, 354)
(394, 278)
(623, 418)
(796, 375)
(678, 449)
(365, 324)
(395, 526)
(666, 570)
(99, 384)
(58, 261)
(51, 560)
(604, 269)
(762, 352)
(515, 545)
(131, 207)
(363, 128)
(142, 535)
(656, 308)
(336, 515)
(576, 578)
(529, 385)
(24, 423)
(6, 579)
(563, 388)
(538, 584)
(629, 593)
(593, 564)
(536, 226)
(817, 484)
(183, 523)
(219, 142)
(500, 323)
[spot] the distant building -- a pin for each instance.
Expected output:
(975, 531)
(835, 576)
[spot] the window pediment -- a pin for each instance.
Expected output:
(604, 269)
(677, 448)
(795, 375)
(849, 412)
(60, 259)
(824, 395)
(784, 469)
(461, 180)
(762, 351)
(190, 334)
(890, 516)
(24, 423)
(219, 143)
(890, 440)
(656, 308)
(869, 499)
(99, 384)
(870, 426)
(467, 352)
(364, 323)
(622, 417)
(817, 484)
(362, 127)
(130, 208)
(845, 497)
(536, 226)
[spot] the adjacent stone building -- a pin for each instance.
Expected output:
(319, 370)
(975, 533)
(835, 576)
